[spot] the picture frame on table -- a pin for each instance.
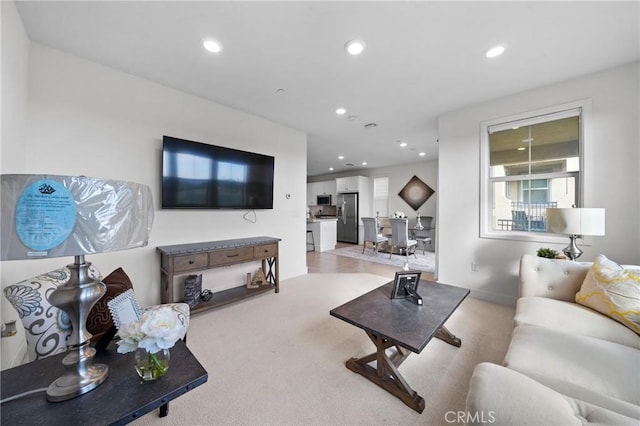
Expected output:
(405, 285)
(124, 309)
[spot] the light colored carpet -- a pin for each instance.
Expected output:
(421, 262)
(279, 359)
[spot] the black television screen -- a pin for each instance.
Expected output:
(200, 176)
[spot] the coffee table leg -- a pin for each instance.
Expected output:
(447, 336)
(386, 374)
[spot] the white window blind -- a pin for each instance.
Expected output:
(381, 196)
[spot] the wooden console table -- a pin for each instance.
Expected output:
(184, 259)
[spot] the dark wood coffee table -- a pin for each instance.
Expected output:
(398, 327)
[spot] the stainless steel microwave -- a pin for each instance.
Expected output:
(324, 200)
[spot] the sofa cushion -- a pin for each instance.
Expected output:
(614, 291)
(572, 318)
(500, 396)
(596, 371)
(555, 279)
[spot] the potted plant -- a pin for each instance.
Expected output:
(547, 252)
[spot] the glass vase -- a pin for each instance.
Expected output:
(151, 366)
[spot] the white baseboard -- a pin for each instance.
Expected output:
(493, 297)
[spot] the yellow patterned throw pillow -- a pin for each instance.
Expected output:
(614, 291)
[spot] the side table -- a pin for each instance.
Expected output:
(122, 398)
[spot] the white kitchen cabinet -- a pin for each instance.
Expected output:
(312, 193)
(320, 188)
(328, 188)
(352, 184)
(324, 233)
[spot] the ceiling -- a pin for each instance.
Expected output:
(285, 61)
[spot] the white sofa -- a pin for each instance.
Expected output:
(566, 364)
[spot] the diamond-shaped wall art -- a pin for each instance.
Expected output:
(416, 192)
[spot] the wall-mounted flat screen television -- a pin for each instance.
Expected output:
(200, 176)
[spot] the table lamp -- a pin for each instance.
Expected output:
(46, 216)
(575, 222)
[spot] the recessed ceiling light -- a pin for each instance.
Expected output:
(495, 51)
(330, 169)
(354, 47)
(341, 111)
(364, 163)
(212, 46)
(340, 157)
(422, 154)
(403, 144)
(522, 148)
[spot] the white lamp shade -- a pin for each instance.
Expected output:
(575, 221)
(47, 216)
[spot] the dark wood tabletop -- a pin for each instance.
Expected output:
(401, 320)
(122, 398)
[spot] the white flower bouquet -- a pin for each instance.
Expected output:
(151, 337)
(399, 215)
(156, 330)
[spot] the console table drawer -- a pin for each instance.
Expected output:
(233, 255)
(192, 261)
(267, 250)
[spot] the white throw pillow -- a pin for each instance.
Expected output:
(612, 290)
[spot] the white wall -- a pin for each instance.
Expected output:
(86, 119)
(15, 57)
(13, 93)
(611, 173)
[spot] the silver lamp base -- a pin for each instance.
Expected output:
(76, 298)
(572, 251)
(81, 375)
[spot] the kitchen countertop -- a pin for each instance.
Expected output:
(321, 219)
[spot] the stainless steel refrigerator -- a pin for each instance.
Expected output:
(347, 211)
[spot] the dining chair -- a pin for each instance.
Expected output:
(400, 237)
(424, 235)
(371, 234)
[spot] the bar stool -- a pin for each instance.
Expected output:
(311, 243)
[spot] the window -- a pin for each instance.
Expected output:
(381, 196)
(534, 190)
(530, 163)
